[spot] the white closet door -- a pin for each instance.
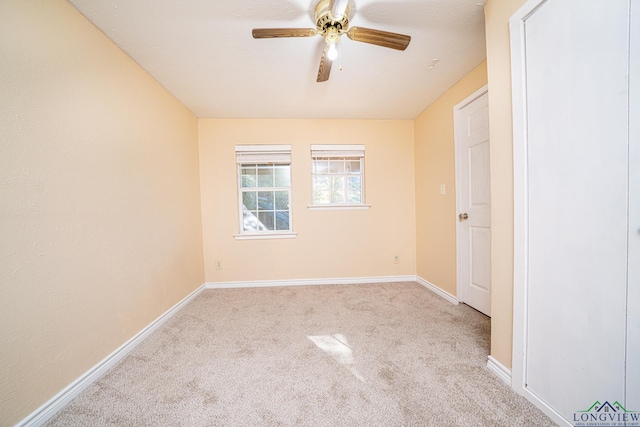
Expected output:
(577, 172)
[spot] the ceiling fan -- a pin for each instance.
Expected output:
(332, 21)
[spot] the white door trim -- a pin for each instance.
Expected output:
(521, 208)
(633, 290)
(456, 126)
(520, 202)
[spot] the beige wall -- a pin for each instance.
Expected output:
(99, 201)
(435, 165)
(330, 244)
(497, 14)
(100, 198)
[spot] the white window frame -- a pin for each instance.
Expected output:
(339, 151)
(262, 154)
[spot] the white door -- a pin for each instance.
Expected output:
(571, 172)
(474, 202)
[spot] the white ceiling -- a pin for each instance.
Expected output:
(202, 51)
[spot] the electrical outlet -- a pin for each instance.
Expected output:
(443, 189)
(396, 259)
(218, 265)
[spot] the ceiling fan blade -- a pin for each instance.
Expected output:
(325, 67)
(338, 8)
(380, 38)
(270, 33)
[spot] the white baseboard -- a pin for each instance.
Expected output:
(433, 288)
(309, 282)
(552, 413)
(499, 369)
(333, 281)
(60, 400)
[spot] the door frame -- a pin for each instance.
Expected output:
(460, 296)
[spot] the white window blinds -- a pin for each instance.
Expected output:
(335, 150)
(263, 154)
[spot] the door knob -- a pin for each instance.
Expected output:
(463, 216)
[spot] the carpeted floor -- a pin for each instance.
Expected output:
(391, 354)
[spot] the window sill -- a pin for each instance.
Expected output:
(266, 235)
(354, 207)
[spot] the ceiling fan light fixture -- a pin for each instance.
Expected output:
(332, 36)
(332, 53)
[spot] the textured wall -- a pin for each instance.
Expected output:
(435, 165)
(497, 14)
(329, 244)
(99, 201)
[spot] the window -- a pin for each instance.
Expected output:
(338, 177)
(264, 182)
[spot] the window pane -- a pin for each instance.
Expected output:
(283, 176)
(265, 176)
(249, 178)
(282, 200)
(337, 189)
(322, 183)
(321, 197)
(353, 166)
(354, 189)
(321, 167)
(249, 200)
(265, 200)
(266, 218)
(250, 221)
(321, 190)
(282, 220)
(336, 166)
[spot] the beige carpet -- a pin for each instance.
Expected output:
(392, 354)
